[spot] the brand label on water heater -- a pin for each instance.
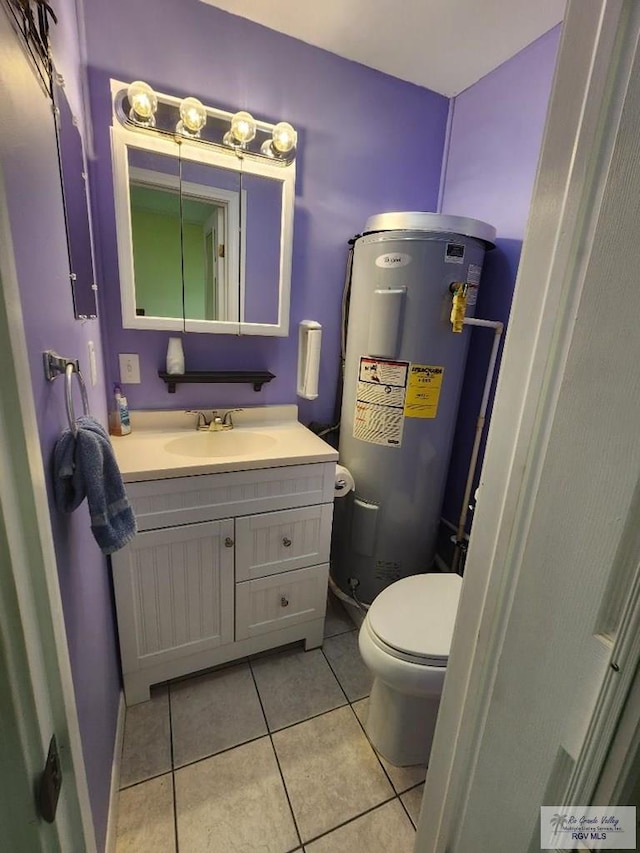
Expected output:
(380, 400)
(393, 259)
(423, 392)
(454, 253)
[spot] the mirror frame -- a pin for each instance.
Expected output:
(125, 137)
(74, 184)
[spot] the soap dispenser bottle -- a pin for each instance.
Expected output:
(120, 421)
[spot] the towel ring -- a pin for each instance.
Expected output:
(56, 365)
(70, 371)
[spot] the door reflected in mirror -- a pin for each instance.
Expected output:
(154, 194)
(212, 203)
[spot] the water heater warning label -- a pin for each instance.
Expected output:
(380, 401)
(423, 392)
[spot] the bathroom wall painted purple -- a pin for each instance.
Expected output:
(355, 159)
(32, 183)
(492, 159)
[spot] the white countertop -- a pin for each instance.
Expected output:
(143, 454)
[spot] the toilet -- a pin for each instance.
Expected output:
(405, 641)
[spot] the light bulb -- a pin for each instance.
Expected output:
(193, 117)
(284, 137)
(243, 127)
(143, 102)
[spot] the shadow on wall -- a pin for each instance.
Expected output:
(494, 303)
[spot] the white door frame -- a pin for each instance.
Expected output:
(583, 116)
(32, 626)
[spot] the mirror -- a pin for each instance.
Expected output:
(261, 218)
(75, 203)
(204, 234)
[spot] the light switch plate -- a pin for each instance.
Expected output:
(129, 368)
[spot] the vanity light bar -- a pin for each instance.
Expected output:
(138, 105)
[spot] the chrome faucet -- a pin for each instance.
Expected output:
(204, 423)
(215, 423)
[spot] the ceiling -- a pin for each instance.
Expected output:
(445, 45)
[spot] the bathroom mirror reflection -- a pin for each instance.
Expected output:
(261, 224)
(156, 241)
(204, 235)
(212, 206)
(75, 201)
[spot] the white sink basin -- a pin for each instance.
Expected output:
(215, 444)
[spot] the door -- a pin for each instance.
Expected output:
(36, 692)
(221, 299)
(545, 649)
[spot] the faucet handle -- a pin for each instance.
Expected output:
(202, 421)
(227, 420)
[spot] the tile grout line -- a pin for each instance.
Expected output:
(146, 779)
(352, 819)
(393, 787)
(340, 633)
(406, 810)
(173, 775)
(335, 675)
(398, 793)
(234, 746)
(364, 731)
(275, 754)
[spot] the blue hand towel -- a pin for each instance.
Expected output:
(85, 466)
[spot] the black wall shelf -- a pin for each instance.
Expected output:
(257, 378)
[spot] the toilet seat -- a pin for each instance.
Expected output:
(413, 619)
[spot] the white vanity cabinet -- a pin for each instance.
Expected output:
(224, 565)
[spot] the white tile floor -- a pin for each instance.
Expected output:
(269, 754)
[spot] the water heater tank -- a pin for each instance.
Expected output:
(402, 381)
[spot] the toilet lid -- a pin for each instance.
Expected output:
(416, 615)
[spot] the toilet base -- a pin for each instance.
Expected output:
(400, 726)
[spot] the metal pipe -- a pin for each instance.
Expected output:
(348, 599)
(473, 462)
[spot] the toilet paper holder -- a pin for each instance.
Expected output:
(344, 482)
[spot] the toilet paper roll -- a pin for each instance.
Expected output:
(344, 482)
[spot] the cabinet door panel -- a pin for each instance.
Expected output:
(268, 604)
(174, 592)
(275, 542)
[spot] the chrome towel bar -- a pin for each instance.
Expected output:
(56, 365)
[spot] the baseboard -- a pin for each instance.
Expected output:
(112, 822)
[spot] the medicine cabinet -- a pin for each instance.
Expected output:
(204, 233)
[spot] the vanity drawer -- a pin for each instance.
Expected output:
(268, 604)
(274, 542)
(207, 497)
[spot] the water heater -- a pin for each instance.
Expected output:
(402, 380)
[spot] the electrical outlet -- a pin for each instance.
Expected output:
(129, 368)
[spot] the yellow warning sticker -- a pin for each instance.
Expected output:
(423, 391)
